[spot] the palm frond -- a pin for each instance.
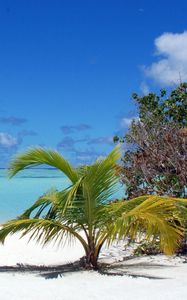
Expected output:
(100, 180)
(156, 216)
(42, 205)
(57, 205)
(99, 183)
(43, 231)
(38, 156)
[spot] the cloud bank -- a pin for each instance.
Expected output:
(86, 151)
(68, 129)
(171, 66)
(7, 140)
(12, 120)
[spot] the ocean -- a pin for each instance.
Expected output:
(19, 192)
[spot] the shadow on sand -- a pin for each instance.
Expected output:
(116, 269)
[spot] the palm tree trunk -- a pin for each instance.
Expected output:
(92, 252)
(91, 256)
(91, 261)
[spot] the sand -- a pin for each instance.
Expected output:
(154, 277)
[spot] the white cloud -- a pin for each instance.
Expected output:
(171, 67)
(7, 140)
(126, 122)
(144, 88)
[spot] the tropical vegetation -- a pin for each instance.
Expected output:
(85, 209)
(155, 158)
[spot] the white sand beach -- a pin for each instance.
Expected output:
(153, 277)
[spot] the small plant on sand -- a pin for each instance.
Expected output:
(84, 211)
(148, 248)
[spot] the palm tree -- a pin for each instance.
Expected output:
(84, 211)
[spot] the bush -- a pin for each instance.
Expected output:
(148, 248)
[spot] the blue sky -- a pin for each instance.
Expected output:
(68, 69)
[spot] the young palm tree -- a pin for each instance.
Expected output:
(84, 211)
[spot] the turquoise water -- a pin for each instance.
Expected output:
(21, 191)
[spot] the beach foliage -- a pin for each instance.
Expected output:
(84, 210)
(155, 158)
